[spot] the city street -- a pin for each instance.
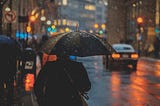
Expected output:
(121, 87)
(36, 31)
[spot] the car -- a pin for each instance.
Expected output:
(124, 54)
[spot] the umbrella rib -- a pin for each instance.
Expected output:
(107, 46)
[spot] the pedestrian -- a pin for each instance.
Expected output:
(8, 65)
(60, 82)
(156, 47)
(43, 40)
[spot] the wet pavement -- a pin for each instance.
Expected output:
(121, 87)
(24, 98)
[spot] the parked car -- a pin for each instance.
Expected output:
(124, 54)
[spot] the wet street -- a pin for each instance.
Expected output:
(122, 87)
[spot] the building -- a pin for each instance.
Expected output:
(116, 18)
(144, 33)
(80, 13)
(122, 22)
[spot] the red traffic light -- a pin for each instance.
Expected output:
(139, 20)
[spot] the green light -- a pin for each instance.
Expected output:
(157, 30)
(100, 32)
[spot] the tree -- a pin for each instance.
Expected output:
(2, 2)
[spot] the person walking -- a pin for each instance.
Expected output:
(60, 83)
(156, 47)
(9, 55)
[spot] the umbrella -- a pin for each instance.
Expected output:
(9, 46)
(75, 43)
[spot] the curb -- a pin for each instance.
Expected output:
(148, 63)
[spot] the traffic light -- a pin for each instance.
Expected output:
(157, 30)
(52, 29)
(100, 32)
(140, 20)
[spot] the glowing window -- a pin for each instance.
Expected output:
(64, 2)
(90, 7)
(64, 22)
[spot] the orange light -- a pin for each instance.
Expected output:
(52, 58)
(96, 26)
(103, 26)
(134, 56)
(139, 20)
(32, 18)
(115, 55)
(47, 57)
(53, 26)
(29, 82)
(28, 29)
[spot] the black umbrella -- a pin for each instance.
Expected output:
(9, 46)
(75, 43)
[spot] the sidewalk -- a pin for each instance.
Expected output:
(24, 98)
(148, 63)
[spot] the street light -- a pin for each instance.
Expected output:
(96, 26)
(103, 26)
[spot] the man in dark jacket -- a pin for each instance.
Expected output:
(60, 82)
(10, 52)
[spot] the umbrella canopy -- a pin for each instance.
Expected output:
(9, 46)
(10, 52)
(75, 43)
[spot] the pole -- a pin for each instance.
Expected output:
(138, 36)
(157, 17)
(10, 24)
(157, 13)
(1, 15)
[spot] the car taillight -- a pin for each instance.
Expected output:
(134, 56)
(115, 55)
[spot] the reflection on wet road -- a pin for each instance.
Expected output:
(121, 87)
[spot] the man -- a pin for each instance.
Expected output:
(10, 51)
(60, 83)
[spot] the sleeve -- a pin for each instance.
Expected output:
(85, 81)
(40, 83)
(80, 76)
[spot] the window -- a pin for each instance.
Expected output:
(64, 2)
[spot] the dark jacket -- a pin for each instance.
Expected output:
(53, 86)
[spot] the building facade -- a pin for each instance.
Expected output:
(146, 9)
(122, 22)
(116, 17)
(81, 13)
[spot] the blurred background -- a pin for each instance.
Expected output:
(131, 21)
